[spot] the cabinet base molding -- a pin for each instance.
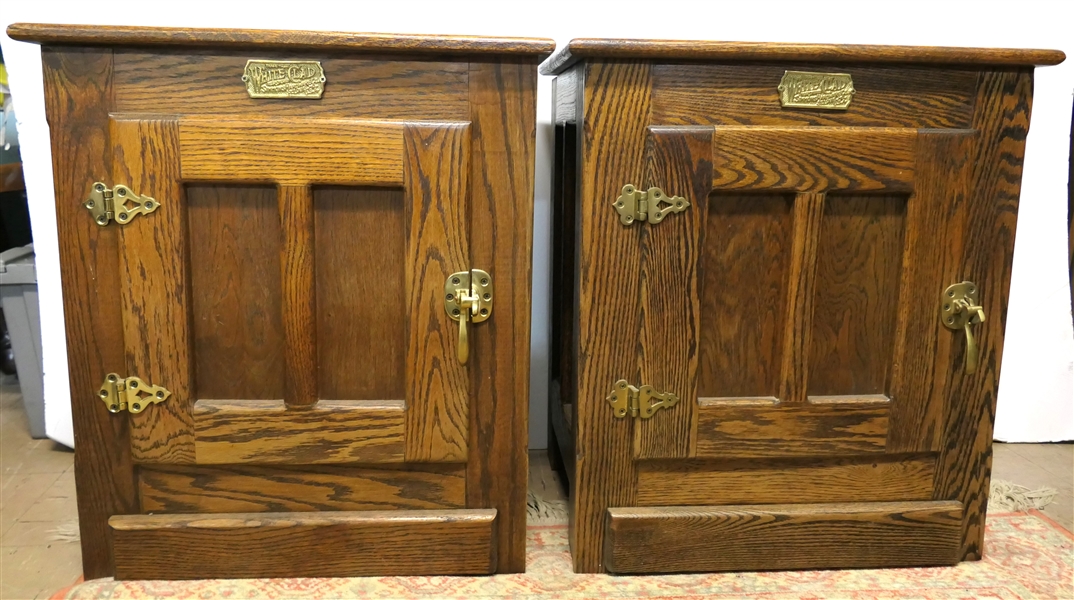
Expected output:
(304, 544)
(682, 539)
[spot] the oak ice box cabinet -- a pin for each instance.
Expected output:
(780, 279)
(296, 272)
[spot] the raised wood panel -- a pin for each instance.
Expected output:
(782, 536)
(248, 488)
(292, 151)
(757, 430)
(234, 248)
(680, 162)
(720, 481)
(78, 95)
(745, 94)
(748, 241)
(856, 288)
(155, 299)
(437, 173)
(265, 431)
(503, 98)
(312, 544)
(616, 111)
(365, 88)
(361, 324)
(808, 159)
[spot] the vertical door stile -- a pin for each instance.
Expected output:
(298, 302)
(436, 167)
(794, 374)
(155, 294)
(679, 162)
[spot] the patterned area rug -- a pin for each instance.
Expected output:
(1026, 556)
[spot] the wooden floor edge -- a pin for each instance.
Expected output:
(682, 539)
(304, 544)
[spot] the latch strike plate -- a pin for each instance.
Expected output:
(130, 393)
(636, 205)
(640, 402)
(107, 204)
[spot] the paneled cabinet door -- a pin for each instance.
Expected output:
(288, 291)
(795, 307)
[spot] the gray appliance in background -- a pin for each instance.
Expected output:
(18, 293)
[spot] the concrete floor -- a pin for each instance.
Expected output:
(37, 498)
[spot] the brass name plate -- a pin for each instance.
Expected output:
(284, 78)
(802, 89)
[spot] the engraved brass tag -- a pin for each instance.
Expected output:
(284, 78)
(802, 89)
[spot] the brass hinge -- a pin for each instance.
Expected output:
(636, 205)
(639, 402)
(467, 299)
(106, 204)
(130, 393)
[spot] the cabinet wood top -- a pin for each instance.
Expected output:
(683, 50)
(98, 35)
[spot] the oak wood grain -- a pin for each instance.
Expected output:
(437, 173)
(809, 480)
(120, 35)
(671, 539)
(252, 488)
(733, 429)
(748, 239)
(235, 240)
(1004, 101)
(357, 87)
(856, 294)
(808, 160)
(679, 161)
(156, 317)
(503, 100)
(746, 94)
(616, 117)
(266, 431)
(292, 151)
(935, 226)
(709, 50)
(78, 92)
(311, 544)
(361, 324)
(298, 295)
(808, 214)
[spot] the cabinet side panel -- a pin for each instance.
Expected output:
(617, 107)
(1001, 117)
(503, 100)
(78, 95)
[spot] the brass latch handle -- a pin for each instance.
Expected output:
(959, 309)
(467, 299)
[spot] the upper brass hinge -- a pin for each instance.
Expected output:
(636, 205)
(638, 402)
(130, 393)
(107, 204)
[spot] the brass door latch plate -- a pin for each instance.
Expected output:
(959, 309)
(468, 299)
(640, 402)
(130, 393)
(107, 204)
(636, 205)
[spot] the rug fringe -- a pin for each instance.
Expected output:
(1011, 497)
(545, 512)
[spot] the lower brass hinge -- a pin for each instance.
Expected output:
(106, 204)
(638, 402)
(130, 393)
